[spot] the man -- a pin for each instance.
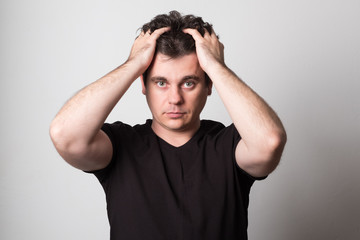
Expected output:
(176, 176)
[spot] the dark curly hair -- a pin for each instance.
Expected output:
(175, 43)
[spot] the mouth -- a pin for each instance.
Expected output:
(175, 115)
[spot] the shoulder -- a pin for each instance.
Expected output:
(214, 128)
(211, 127)
(121, 127)
(124, 135)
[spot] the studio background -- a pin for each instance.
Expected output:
(302, 57)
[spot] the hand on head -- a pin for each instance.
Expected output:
(143, 49)
(209, 49)
(185, 34)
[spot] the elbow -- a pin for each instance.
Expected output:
(58, 136)
(65, 143)
(273, 149)
(276, 141)
(77, 150)
(55, 132)
(264, 156)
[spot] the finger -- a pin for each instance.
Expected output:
(142, 33)
(207, 33)
(158, 32)
(194, 33)
(212, 34)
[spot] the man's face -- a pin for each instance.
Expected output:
(176, 92)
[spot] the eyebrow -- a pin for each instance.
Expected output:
(192, 77)
(185, 78)
(157, 78)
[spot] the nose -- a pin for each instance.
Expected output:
(175, 96)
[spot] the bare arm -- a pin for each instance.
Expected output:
(76, 129)
(263, 135)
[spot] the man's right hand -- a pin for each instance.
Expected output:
(143, 49)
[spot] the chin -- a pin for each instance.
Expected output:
(176, 126)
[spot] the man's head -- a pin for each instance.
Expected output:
(176, 93)
(175, 43)
(175, 85)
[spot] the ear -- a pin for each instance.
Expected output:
(143, 87)
(210, 88)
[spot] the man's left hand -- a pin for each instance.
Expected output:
(209, 50)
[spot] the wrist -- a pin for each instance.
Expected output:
(132, 68)
(217, 69)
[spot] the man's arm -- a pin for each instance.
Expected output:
(76, 129)
(263, 135)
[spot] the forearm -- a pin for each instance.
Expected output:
(254, 119)
(81, 118)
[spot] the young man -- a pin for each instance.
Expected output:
(176, 176)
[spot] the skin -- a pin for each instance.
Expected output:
(76, 132)
(176, 93)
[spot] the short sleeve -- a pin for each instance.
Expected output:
(111, 130)
(232, 131)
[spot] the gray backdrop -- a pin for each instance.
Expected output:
(301, 56)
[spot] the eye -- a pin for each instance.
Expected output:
(161, 84)
(188, 84)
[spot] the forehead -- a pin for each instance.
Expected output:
(175, 68)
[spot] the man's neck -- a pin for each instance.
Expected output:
(176, 138)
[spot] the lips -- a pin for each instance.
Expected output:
(175, 115)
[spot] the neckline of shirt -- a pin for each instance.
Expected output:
(168, 145)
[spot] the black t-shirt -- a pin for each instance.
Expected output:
(157, 191)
